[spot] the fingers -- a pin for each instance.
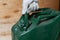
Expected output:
(34, 6)
(24, 7)
(37, 6)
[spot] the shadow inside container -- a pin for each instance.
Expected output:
(59, 36)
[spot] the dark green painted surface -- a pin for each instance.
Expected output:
(44, 25)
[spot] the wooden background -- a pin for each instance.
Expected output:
(10, 12)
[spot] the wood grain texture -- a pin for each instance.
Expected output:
(10, 13)
(54, 4)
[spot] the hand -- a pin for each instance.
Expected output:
(29, 5)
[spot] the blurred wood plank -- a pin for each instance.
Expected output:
(54, 4)
(5, 31)
(10, 12)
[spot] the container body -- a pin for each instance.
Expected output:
(43, 25)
